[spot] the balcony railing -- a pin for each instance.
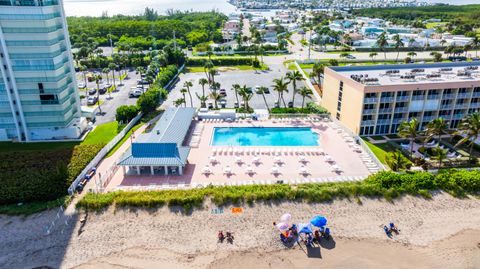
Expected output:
(458, 116)
(369, 111)
(448, 96)
(385, 110)
(403, 98)
(463, 95)
(386, 99)
(395, 121)
(382, 122)
(433, 96)
(401, 109)
(475, 105)
(476, 94)
(368, 122)
(462, 106)
(428, 118)
(372, 100)
(449, 106)
(418, 97)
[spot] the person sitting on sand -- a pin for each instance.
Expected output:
(316, 236)
(387, 231)
(221, 237)
(393, 228)
(309, 240)
(293, 230)
(230, 237)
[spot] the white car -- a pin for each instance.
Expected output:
(92, 100)
(81, 85)
(135, 93)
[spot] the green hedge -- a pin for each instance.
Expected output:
(310, 108)
(41, 175)
(387, 184)
(224, 61)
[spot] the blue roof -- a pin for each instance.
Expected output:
(179, 159)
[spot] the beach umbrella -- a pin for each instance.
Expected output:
(287, 217)
(318, 221)
(304, 228)
(282, 226)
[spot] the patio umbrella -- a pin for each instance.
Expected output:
(304, 228)
(318, 221)
(282, 226)
(286, 218)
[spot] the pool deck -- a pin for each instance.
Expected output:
(332, 141)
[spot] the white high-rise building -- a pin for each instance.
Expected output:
(39, 98)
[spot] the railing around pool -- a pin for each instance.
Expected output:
(299, 115)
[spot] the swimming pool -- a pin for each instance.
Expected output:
(264, 136)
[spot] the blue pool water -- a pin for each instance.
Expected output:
(264, 136)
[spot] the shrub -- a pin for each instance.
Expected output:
(44, 175)
(126, 113)
(148, 101)
(316, 109)
(224, 61)
(387, 184)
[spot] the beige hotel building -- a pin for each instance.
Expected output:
(374, 100)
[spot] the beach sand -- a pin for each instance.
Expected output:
(443, 232)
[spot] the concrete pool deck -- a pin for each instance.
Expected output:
(333, 142)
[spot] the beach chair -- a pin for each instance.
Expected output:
(275, 170)
(249, 170)
(238, 160)
(227, 170)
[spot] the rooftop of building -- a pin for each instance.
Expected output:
(163, 144)
(401, 74)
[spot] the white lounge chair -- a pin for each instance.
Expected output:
(303, 170)
(227, 170)
(277, 159)
(275, 170)
(256, 160)
(238, 160)
(249, 170)
(213, 160)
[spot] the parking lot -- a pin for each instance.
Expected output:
(110, 102)
(228, 78)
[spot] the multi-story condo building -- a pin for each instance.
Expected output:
(374, 100)
(39, 99)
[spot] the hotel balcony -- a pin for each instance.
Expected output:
(372, 100)
(403, 98)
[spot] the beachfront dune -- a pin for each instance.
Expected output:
(443, 232)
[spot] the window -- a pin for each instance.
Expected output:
(49, 99)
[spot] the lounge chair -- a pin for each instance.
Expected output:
(213, 160)
(256, 160)
(238, 160)
(228, 170)
(275, 170)
(277, 159)
(303, 171)
(302, 159)
(250, 170)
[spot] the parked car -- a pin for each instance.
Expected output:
(235, 105)
(223, 103)
(102, 90)
(81, 85)
(210, 105)
(290, 104)
(92, 91)
(135, 93)
(267, 90)
(350, 56)
(223, 92)
(142, 82)
(92, 100)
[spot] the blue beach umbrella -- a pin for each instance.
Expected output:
(318, 221)
(304, 228)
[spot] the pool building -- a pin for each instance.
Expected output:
(162, 151)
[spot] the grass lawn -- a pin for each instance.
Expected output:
(377, 137)
(431, 25)
(34, 207)
(102, 134)
(380, 150)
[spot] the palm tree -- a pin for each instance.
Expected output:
(475, 44)
(97, 79)
(236, 89)
(112, 67)
(203, 99)
(262, 90)
(409, 129)
(215, 97)
(203, 82)
(436, 127)
(398, 44)
(106, 71)
(212, 72)
(293, 77)
(206, 68)
(246, 95)
(317, 72)
(304, 93)
(372, 55)
(469, 128)
(412, 54)
(382, 43)
(443, 42)
(183, 91)
(187, 86)
(141, 70)
(396, 161)
(280, 86)
(440, 155)
(179, 102)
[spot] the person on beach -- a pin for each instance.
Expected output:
(387, 231)
(230, 237)
(393, 228)
(221, 237)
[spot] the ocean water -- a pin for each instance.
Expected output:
(264, 136)
(135, 7)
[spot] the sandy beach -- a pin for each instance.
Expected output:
(443, 232)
